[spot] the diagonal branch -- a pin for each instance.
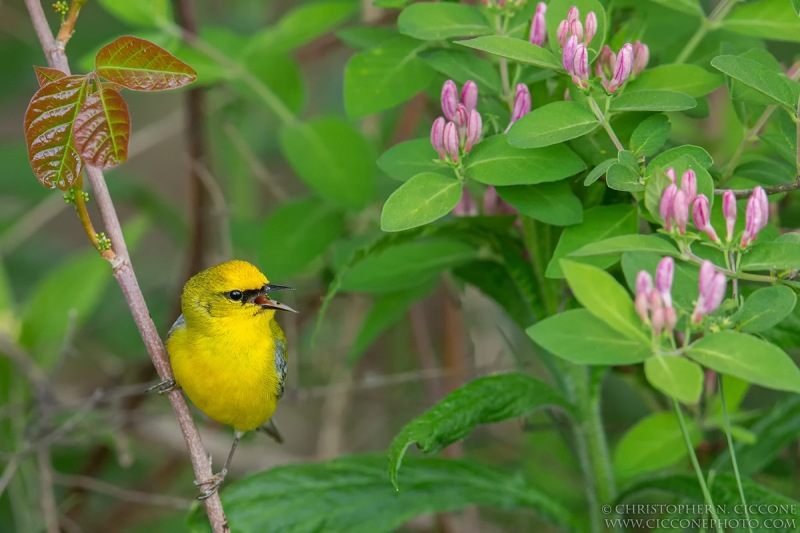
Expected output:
(129, 284)
(775, 189)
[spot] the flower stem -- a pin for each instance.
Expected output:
(727, 423)
(696, 465)
(604, 122)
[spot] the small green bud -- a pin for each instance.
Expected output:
(103, 242)
(61, 7)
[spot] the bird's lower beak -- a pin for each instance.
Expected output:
(267, 303)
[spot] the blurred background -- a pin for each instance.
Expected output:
(208, 180)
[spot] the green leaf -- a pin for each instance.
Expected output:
(406, 265)
(463, 66)
(557, 11)
(49, 132)
(301, 25)
(765, 308)
(333, 158)
(146, 13)
(654, 443)
(677, 377)
(45, 75)
(483, 401)
(68, 295)
(494, 162)
(296, 234)
(696, 154)
(772, 256)
(774, 20)
(597, 343)
(365, 37)
(748, 358)
(387, 310)
(351, 495)
(725, 494)
(604, 297)
(652, 100)
(422, 199)
(650, 135)
(102, 129)
(280, 73)
(405, 160)
(381, 78)
(690, 7)
(776, 428)
(516, 49)
(598, 223)
(796, 6)
(760, 77)
(434, 21)
(598, 171)
(628, 243)
(140, 65)
(551, 124)
(623, 178)
(689, 79)
(552, 203)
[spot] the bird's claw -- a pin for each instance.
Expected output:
(214, 483)
(164, 387)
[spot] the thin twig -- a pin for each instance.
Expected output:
(259, 170)
(68, 26)
(129, 284)
(48, 499)
(775, 189)
(8, 474)
(134, 496)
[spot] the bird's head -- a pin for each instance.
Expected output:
(235, 289)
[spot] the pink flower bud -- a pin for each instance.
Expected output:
(711, 288)
(437, 136)
(469, 95)
(538, 27)
(756, 216)
(680, 210)
(474, 129)
(580, 63)
(576, 29)
(641, 56)
(451, 144)
(573, 14)
(644, 283)
(541, 8)
(569, 53)
(701, 215)
(670, 173)
(622, 67)
(664, 274)
(466, 205)
(665, 209)
(729, 212)
(449, 99)
(657, 319)
(689, 184)
(522, 103)
(590, 27)
(462, 115)
(670, 319)
(562, 33)
(642, 305)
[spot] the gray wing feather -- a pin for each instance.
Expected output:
(280, 364)
(179, 323)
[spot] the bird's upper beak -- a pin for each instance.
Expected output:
(262, 297)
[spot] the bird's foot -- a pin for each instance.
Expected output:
(213, 483)
(164, 387)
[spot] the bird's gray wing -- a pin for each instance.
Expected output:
(179, 323)
(280, 364)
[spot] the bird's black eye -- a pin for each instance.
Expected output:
(235, 295)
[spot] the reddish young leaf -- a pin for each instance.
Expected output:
(102, 128)
(48, 131)
(142, 66)
(45, 75)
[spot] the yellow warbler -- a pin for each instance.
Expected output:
(227, 352)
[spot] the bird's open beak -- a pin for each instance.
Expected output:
(266, 302)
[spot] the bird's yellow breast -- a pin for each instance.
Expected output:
(228, 368)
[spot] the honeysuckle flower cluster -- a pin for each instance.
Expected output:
(612, 69)
(538, 34)
(677, 203)
(460, 129)
(654, 303)
(522, 104)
